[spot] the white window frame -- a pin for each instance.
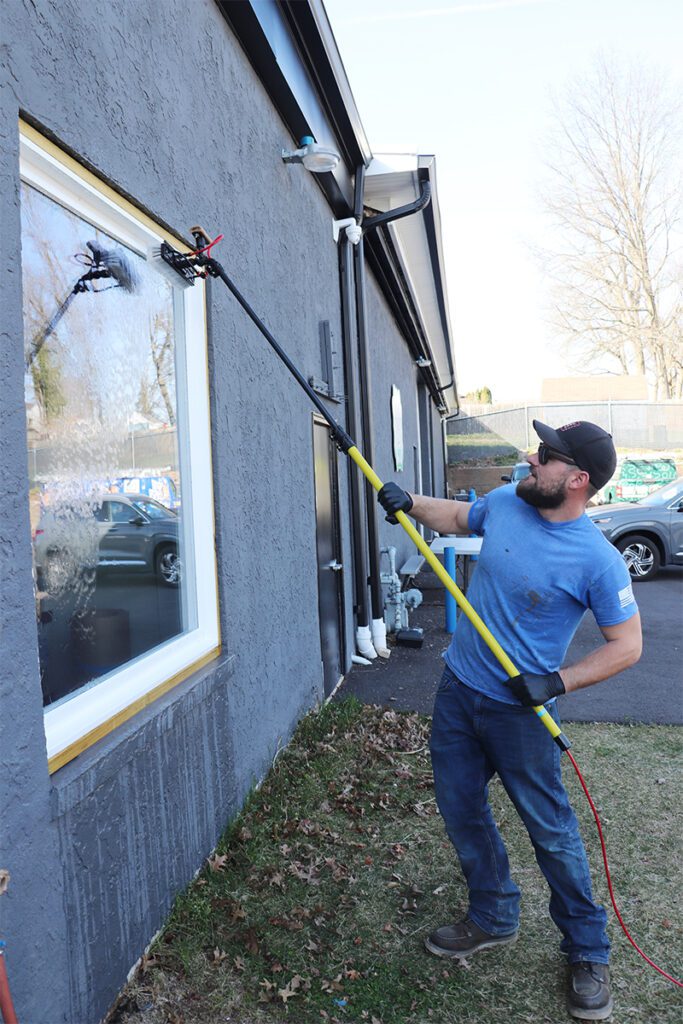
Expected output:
(77, 722)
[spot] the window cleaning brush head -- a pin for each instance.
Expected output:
(112, 263)
(176, 267)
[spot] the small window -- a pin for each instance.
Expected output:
(116, 412)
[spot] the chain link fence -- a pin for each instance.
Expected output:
(504, 433)
(138, 452)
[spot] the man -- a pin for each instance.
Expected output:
(542, 564)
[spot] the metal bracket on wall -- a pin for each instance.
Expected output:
(354, 232)
(323, 389)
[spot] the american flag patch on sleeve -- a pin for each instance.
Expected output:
(626, 596)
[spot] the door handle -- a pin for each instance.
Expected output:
(334, 566)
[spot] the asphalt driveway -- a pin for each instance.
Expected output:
(651, 691)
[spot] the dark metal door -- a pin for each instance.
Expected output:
(330, 574)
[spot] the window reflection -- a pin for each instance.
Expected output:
(105, 478)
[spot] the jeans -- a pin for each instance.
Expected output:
(474, 736)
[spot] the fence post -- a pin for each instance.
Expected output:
(609, 417)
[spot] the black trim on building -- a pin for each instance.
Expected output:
(326, 70)
(434, 255)
(333, 108)
(244, 21)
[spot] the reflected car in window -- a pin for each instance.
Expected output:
(649, 532)
(112, 532)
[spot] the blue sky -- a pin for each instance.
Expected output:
(472, 82)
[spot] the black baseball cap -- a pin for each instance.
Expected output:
(590, 447)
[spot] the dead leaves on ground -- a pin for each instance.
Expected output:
(217, 861)
(264, 922)
(295, 986)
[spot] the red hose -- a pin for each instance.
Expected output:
(625, 930)
(6, 1005)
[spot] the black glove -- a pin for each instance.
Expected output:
(394, 499)
(533, 690)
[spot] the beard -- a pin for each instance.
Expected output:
(549, 497)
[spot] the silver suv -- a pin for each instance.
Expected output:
(108, 532)
(649, 532)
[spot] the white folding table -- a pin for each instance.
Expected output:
(464, 547)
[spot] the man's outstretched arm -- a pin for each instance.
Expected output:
(438, 514)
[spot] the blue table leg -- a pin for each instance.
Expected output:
(472, 496)
(449, 566)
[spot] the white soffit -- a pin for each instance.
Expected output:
(391, 180)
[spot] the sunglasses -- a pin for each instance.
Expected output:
(545, 453)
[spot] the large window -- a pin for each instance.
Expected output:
(118, 454)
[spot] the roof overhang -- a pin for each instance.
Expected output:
(394, 180)
(292, 48)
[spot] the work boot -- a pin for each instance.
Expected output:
(589, 996)
(462, 939)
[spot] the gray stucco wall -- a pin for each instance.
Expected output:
(134, 817)
(29, 842)
(98, 850)
(391, 364)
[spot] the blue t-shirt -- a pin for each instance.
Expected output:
(533, 583)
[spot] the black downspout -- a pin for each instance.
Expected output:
(359, 545)
(376, 596)
(401, 211)
(364, 362)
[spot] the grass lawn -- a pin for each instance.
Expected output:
(315, 904)
(488, 449)
(479, 441)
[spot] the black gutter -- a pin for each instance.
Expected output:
(310, 27)
(310, 34)
(244, 21)
(401, 211)
(366, 396)
(358, 538)
(435, 257)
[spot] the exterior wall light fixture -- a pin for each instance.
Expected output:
(313, 156)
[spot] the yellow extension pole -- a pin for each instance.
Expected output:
(467, 609)
(346, 445)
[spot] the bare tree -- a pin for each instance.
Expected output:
(614, 194)
(41, 298)
(161, 347)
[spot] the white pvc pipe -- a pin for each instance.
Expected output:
(357, 660)
(364, 643)
(379, 638)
